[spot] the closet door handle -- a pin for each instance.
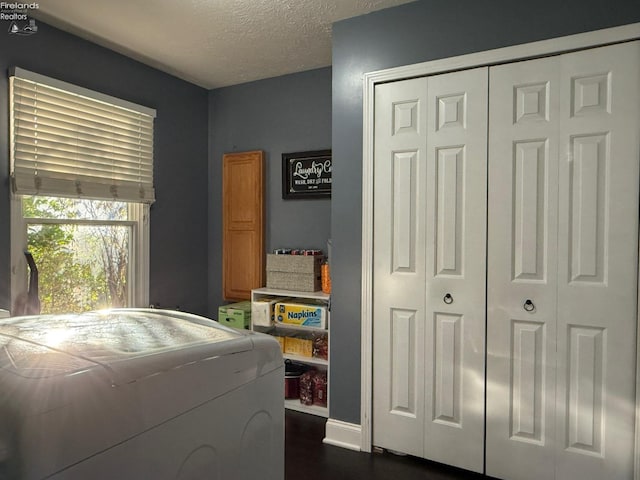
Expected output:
(528, 305)
(448, 299)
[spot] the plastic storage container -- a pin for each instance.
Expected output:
(138, 394)
(235, 315)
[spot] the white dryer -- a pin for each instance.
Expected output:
(138, 394)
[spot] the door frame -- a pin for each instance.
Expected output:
(542, 48)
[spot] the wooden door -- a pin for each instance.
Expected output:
(243, 224)
(429, 267)
(563, 258)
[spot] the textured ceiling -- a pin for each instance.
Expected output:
(212, 43)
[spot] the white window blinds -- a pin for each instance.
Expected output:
(72, 142)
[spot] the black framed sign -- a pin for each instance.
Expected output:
(306, 174)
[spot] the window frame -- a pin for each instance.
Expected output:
(138, 281)
(139, 201)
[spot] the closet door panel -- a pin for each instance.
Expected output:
(456, 267)
(399, 266)
(562, 329)
(598, 242)
(540, 239)
(429, 267)
(521, 269)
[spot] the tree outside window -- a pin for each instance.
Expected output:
(82, 251)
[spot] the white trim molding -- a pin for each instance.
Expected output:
(491, 57)
(343, 434)
(636, 459)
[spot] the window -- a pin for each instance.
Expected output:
(86, 252)
(82, 182)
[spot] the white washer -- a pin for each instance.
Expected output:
(138, 394)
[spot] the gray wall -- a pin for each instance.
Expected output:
(279, 115)
(178, 270)
(412, 33)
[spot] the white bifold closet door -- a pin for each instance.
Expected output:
(562, 266)
(430, 267)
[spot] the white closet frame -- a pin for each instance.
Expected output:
(543, 48)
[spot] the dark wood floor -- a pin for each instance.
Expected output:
(306, 457)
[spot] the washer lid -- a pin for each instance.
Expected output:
(128, 343)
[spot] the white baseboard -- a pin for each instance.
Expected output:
(343, 434)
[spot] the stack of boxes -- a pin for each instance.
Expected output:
(298, 273)
(302, 315)
(297, 313)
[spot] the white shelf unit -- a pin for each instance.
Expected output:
(319, 363)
